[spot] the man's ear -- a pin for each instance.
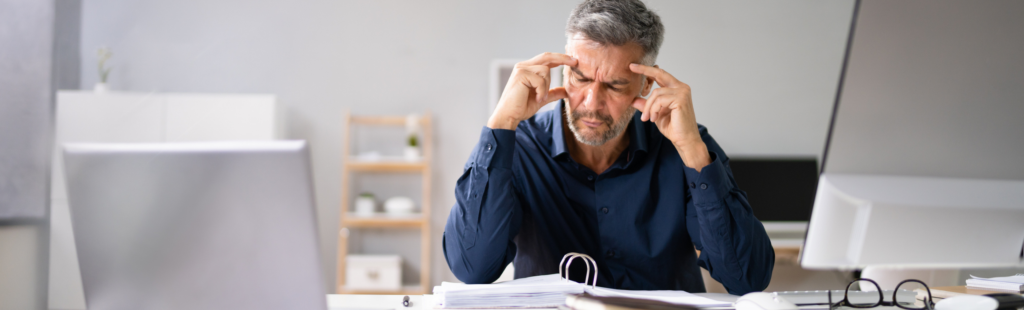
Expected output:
(648, 84)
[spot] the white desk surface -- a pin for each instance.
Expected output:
(382, 302)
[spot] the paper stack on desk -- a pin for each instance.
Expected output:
(547, 291)
(1013, 283)
(533, 292)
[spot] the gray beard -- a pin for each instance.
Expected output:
(615, 129)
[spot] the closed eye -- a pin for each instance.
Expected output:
(579, 76)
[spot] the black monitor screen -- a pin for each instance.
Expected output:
(778, 189)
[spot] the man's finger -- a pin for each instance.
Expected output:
(639, 103)
(661, 76)
(656, 107)
(552, 60)
(544, 73)
(645, 114)
(557, 93)
(537, 83)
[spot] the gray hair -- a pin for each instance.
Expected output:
(618, 22)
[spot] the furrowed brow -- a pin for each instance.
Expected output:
(619, 82)
(613, 82)
(579, 73)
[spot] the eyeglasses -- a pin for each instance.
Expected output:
(928, 303)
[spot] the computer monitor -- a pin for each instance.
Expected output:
(923, 164)
(195, 225)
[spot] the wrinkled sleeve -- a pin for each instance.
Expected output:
(734, 246)
(477, 239)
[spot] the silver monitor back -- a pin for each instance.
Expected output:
(195, 225)
(923, 164)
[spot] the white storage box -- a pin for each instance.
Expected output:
(373, 272)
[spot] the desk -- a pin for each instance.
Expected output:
(381, 302)
(367, 302)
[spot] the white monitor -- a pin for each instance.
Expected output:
(924, 164)
(195, 225)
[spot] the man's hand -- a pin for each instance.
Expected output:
(670, 107)
(527, 90)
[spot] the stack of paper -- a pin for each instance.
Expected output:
(547, 291)
(1013, 283)
(671, 297)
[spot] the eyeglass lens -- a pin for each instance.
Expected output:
(920, 300)
(862, 300)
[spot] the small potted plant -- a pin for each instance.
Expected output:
(412, 142)
(366, 204)
(412, 149)
(103, 55)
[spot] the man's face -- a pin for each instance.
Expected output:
(601, 89)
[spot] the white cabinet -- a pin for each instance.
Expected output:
(374, 272)
(127, 117)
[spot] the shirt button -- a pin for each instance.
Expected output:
(692, 185)
(488, 147)
(604, 210)
(590, 178)
(610, 253)
(703, 186)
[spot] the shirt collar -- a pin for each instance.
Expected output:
(636, 128)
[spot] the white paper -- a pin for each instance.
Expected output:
(675, 297)
(546, 291)
(1018, 278)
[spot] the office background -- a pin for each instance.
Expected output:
(764, 74)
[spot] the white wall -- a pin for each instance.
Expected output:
(763, 73)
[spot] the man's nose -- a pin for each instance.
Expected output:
(593, 97)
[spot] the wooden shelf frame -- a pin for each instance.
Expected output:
(351, 165)
(385, 166)
(352, 220)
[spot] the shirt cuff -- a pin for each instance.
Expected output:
(711, 184)
(495, 148)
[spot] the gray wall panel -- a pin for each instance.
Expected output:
(26, 107)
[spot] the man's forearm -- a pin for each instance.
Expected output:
(480, 227)
(502, 122)
(478, 253)
(736, 249)
(694, 154)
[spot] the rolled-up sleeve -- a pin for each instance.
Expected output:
(734, 246)
(477, 239)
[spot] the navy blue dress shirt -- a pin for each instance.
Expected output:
(521, 198)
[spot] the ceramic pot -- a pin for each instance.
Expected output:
(365, 206)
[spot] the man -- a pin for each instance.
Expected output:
(636, 183)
